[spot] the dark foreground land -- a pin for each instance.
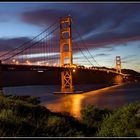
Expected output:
(24, 117)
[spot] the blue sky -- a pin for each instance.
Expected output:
(108, 29)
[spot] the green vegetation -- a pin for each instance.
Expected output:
(24, 117)
(93, 117)
(123, 122)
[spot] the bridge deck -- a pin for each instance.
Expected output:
(22, 67)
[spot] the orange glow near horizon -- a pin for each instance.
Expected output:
(17, 62)
(28, 62)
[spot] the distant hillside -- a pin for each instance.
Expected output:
(125, 71)
(129, 71)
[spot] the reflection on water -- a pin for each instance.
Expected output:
(74, 103)
(108, 97)
(118, 79)
(70, 103)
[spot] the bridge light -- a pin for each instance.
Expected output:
(40, 71)
(14, 60)
(38, 63)
(54, 64)
(28, 62)
(74, 70)
(17, 62)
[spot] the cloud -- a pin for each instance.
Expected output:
(4, 17)
(3, 20)
(100, 24)
(124, 62)
(11, 43)
(110, 49)
(129, 57)
(34, 48)
(101, 54)
(44, 17)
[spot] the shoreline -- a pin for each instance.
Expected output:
(101, 98)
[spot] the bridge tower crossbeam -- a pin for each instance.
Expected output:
(66, 54)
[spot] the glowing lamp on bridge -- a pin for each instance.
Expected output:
(38, 63)
(54, 64)
(17, 62)
(74, 70)
(28, 62)
(13, 60)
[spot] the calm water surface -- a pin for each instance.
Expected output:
(109, 97)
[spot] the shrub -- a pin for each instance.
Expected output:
(124, 122)
(93, 116)
(29, 99)
(61, 127)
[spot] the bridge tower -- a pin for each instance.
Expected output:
(66, 54)
(118, 64)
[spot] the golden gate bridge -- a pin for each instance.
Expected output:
(63, 53)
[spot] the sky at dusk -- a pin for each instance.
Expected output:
(108, 29)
